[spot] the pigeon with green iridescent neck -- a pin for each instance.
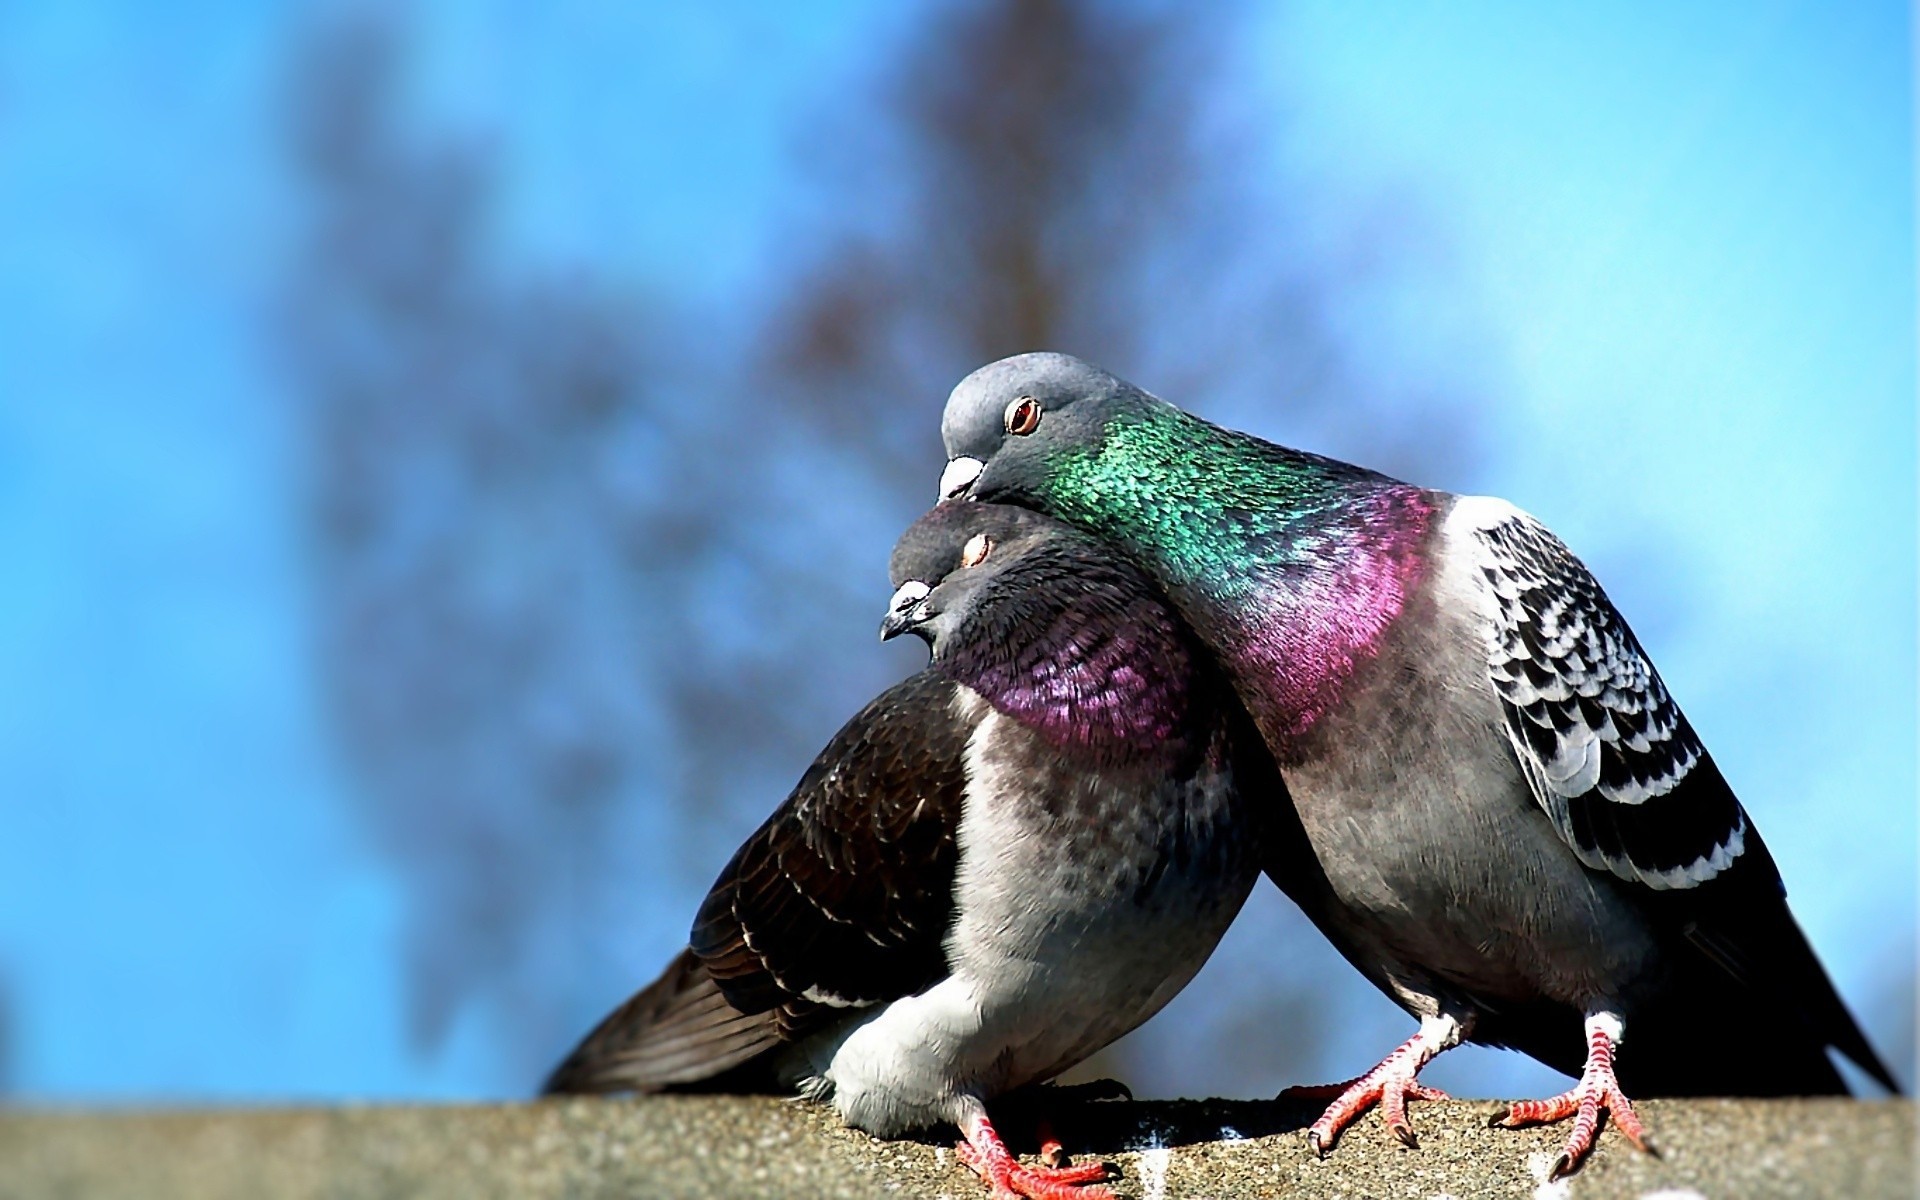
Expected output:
(996, 869)
(1524, 842)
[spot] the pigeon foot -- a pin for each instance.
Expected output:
(989, 1158)
(1391, 1084)
(1597, 1092)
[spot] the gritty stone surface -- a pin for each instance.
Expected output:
(711, 1146)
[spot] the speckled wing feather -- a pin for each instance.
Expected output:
(1625, 781)
(844, 897)
(1609, 755)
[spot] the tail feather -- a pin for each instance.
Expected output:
(1833, 1023)
(1733, 1052)
(678, 1032)
(1758, 981)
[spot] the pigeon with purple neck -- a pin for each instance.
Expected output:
(1523, 840)
(996, 869)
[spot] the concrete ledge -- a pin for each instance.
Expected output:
(698, 1146)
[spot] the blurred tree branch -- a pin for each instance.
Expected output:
(572, 564)
(1063, 174)
(1059, 174)
(489, 460)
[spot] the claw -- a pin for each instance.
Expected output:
(1390, 1085)
(988, 1157)
(1597, 1094)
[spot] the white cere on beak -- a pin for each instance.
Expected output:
(907, 595)
(959, 476)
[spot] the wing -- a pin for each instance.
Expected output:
(677, 1033)
(1609, 755)
(1625, 781)
(844, 897)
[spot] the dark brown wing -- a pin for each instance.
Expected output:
(677, 1032)
(844, 897)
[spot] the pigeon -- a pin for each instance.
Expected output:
(997, 868)
(1524, 842)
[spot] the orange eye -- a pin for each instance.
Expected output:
(976, 550)
(1023, 416)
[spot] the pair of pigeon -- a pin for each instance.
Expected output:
(1167, 656)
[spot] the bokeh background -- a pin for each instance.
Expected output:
(449, 453)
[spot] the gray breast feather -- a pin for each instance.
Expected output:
(1609, 755)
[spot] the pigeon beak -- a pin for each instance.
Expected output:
(907, 609)
(959, 476)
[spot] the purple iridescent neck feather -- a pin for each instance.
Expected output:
(1095, 670)
(1292, 568)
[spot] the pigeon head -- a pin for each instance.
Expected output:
(1049, 626)
(953, 558)
(1009, 425)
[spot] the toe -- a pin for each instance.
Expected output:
(1072, 1184)
(1627, 1121)
(1539, 1112)
(1316, 1091)
(1084, 1173)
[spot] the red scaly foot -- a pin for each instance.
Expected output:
(1390, 1085)
(1597, 1091)
(993, 1162)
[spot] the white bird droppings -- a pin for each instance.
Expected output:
(1538, 1165)
(1153, 1172)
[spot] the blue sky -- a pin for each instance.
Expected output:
(1682, 238)
(1691, 228)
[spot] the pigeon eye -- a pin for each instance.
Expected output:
(1023, 416)
(976, 550)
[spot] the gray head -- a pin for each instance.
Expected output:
(1008, 423)
(958, 555)
(1049, 626)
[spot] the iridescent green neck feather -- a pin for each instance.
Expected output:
(1292, 566)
